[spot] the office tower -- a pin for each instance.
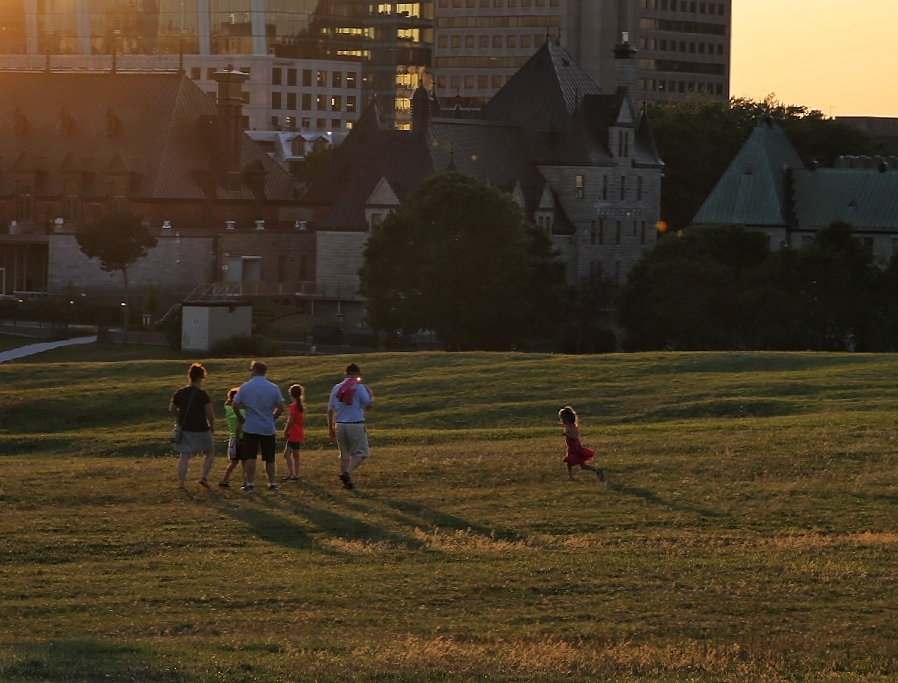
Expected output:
(683, 46)
(390, 42)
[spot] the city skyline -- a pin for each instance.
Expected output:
(830, 55)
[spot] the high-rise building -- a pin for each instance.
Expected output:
(390, 41)
(684, 47)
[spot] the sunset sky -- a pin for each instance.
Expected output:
(837, 56)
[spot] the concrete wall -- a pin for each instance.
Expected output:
(340, 256)
(175, 265)
(203, 326)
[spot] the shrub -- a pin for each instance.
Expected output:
(245, 346)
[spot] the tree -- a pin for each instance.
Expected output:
(686, 292)
(117, 240)
(699, 138)
(459, 258)
(826, 296)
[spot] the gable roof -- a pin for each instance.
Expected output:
(753, 189)
(145, 125)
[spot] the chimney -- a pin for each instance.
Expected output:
(625, 66)
(229, 124)
(420, 109)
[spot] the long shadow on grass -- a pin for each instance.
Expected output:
(83, 660)
(272, 527)
(415, 514)
(655, 499)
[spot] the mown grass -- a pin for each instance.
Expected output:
(747, 530)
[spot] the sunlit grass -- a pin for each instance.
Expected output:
(729, 542)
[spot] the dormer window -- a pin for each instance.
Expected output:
(579, 185)
(23, 202)
(376, 222)
(623, 144)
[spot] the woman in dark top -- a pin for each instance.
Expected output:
(192, 408)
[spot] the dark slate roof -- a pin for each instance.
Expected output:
(767, 185)
(752, 191)
(867, 199)
(143, 125)
(544, 93)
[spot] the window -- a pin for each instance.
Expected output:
(469, 82)
(442, 41)
(70, 202)
(350, 79)
(350, 103)
(336, 103)
(638, 188)
(321, 103)
(623, 187)
(210, 73)
(291, 77)
(276, 76)
(617, 234)
(455, 82)
(336, 124)
(336, 79)
(275, 122)
(511, 41)
(307, 123)
(483, 82)
(376, 222)
(497, 41)
(321, 124)
(497, 82)
(469, 42)
(195, 73)
(605, 187)
(275, 100)
(525, 40)
(306, 101)
(456, 42)
(578, 186)
(307, 78)
(322, 79)
(868, 244)
(484, 42)
(291, 101)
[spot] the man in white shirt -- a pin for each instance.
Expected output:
(263, 403)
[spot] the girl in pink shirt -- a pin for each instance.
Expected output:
(294, 433)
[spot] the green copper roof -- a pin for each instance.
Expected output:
(752, 191)
(867, 199)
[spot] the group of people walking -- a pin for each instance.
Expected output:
(251, 411)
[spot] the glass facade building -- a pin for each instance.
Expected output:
(392, 40)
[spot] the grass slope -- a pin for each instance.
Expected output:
(747, 530)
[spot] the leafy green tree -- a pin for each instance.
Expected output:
(699, 138)
(117, 240)
(685, 294)
(826, 296)
(459, 258)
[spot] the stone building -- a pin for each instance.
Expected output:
(768, 188)
(581, 163)
(74, 147)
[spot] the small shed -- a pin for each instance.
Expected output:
(203, 324)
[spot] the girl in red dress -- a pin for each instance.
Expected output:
(577, 453)
(294, 433)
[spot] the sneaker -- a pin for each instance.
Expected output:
(347, 481)
(247, 487)
(224, 484)
(204, 484)
(273, 488)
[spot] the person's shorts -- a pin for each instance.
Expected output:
(195, 442)
(235, 448)
(352, 438)
(253, 443)
(295, 445)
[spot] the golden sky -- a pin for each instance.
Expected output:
(838, 56)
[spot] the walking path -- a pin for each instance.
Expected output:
(31, 349)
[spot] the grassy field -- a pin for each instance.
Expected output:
(747, 530)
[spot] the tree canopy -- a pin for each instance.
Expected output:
(719, 287)
(458, 258)
(698, 139)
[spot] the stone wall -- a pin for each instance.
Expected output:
(340, 256)
(175, 266)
